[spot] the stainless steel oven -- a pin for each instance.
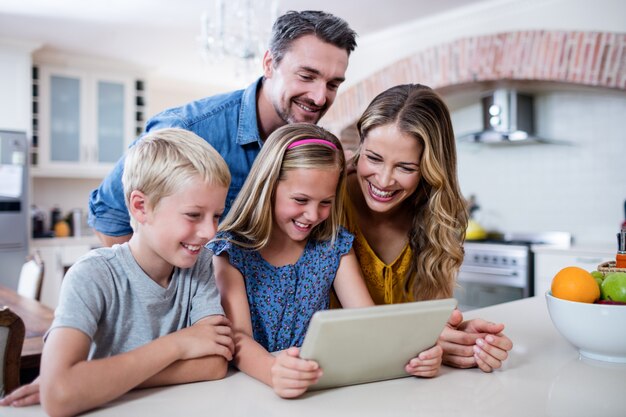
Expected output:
(494, 273)
(501, 270)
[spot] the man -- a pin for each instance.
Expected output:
(302, 70)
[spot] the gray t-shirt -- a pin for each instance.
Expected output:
(107, 296)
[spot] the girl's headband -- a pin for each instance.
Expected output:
(312, 140)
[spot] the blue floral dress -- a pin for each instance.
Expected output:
(283, 299)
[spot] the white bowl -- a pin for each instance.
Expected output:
(597, 330)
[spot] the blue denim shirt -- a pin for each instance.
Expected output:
(227, 121)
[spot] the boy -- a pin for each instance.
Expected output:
(147, 312)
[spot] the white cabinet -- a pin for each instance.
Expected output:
(550, 261)
(83, 120)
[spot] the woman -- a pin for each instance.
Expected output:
(408, 216)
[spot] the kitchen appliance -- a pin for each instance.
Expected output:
(13, 205)
(508, 118)
(501, 269)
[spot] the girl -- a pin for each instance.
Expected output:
(279, 252)
(408, 216)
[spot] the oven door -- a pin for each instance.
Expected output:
(473, 295)
(480, 286)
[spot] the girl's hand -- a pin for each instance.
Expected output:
(291, 375)
(426, 364)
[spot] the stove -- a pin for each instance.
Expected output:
(501, 269)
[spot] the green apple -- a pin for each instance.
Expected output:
(597, 274)
(599, 277)
(614, 287)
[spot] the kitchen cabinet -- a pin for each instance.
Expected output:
(83, 120)
(549, 261)
(58, 254)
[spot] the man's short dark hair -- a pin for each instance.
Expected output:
(326, 27)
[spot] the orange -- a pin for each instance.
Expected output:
(575, 284)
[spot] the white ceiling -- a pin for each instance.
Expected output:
(160, 35)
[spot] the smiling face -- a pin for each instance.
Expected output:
(388, 168)
(303, 199)
(174, 232)
(303, 85)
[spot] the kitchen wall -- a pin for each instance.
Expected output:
(578, 188)
(382, 49)
(66, 193)
(15, 84)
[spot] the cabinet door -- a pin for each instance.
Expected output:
(113, 118)
(65, 105)
(548, 264)
(63, 98)
(86, 122)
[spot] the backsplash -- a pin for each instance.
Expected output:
(578, 188)
(65, 193)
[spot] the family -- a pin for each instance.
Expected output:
(234, 218)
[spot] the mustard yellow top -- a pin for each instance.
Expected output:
(385, 282)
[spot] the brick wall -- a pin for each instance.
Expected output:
(583, 58)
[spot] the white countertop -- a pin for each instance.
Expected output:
(89, 240)
(543, 377)
(586, 249)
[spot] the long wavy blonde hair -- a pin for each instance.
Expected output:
(439, 209)
(250, 218)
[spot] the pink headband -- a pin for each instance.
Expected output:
(312, 140)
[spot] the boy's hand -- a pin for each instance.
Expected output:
(210, 336)
(426, 364)
(291, 375)
(24, 395)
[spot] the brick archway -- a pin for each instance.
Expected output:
(583, 58)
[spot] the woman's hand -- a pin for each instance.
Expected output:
(467, 344)
(426, 364)
(291, 375)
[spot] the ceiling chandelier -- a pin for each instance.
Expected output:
(236, 33)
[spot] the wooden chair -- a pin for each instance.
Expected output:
(11, 340)
(31, 278)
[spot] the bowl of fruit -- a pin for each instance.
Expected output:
(589, 310)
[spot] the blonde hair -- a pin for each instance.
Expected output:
(250, 218)
(439, 209)
(163, 161)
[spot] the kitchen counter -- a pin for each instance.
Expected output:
(90, 240)
(544, 376)
(587, 249)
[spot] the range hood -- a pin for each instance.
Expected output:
(508, 118)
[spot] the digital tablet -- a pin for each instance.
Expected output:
(354, 346)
